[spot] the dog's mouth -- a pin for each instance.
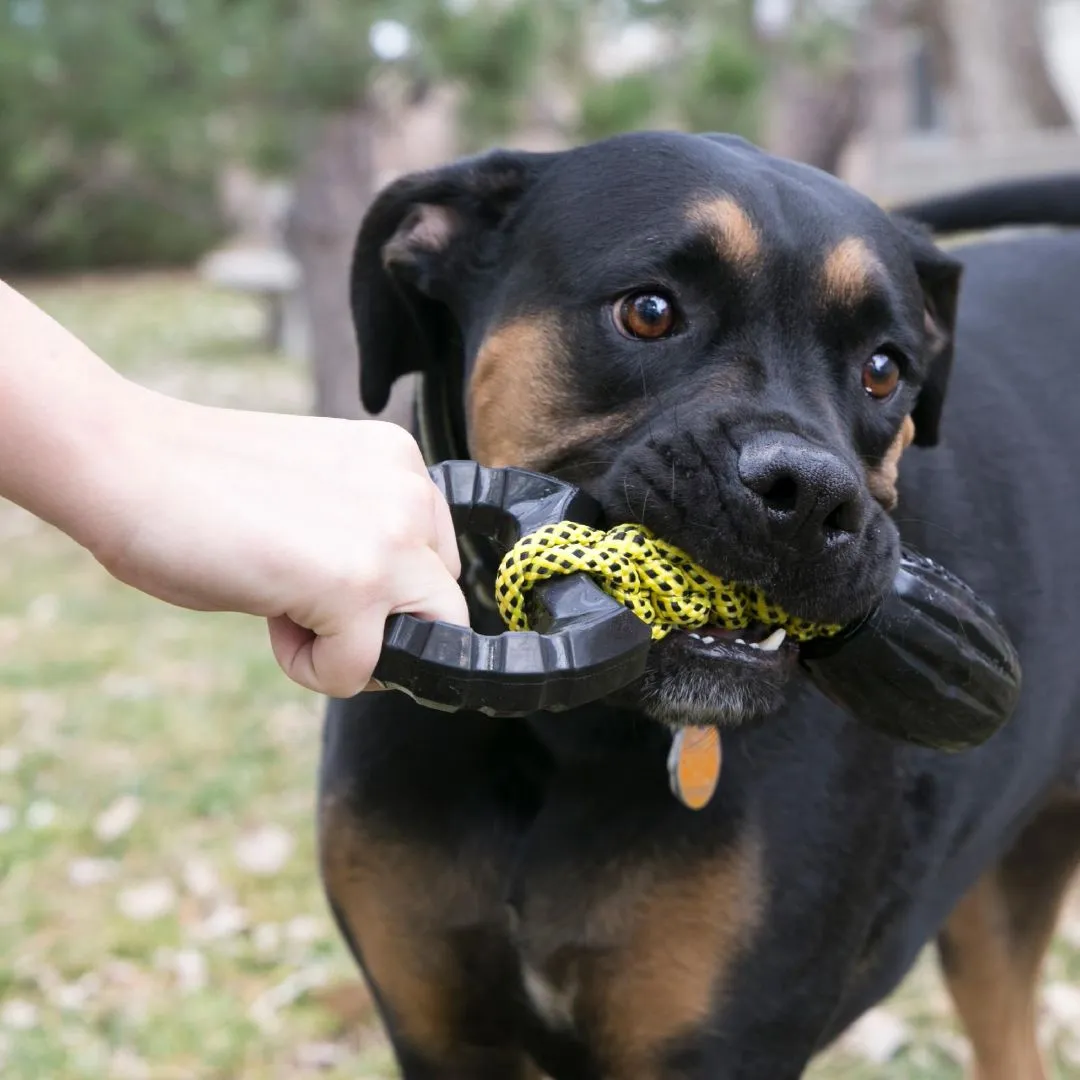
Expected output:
(754, 643)
(713, 675)
(725, 658)
(731, 677)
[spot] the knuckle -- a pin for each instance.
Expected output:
(339, 687)
(400, 528)
(416, 496)
(400, 443)
(401, 514)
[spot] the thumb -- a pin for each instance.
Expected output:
(430, 592)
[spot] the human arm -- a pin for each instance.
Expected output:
(322, 526)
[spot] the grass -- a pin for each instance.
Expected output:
(161, 917)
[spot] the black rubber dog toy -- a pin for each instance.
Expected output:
(931, 665)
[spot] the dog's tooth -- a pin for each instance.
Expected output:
(774, 640)
(695, 635)
(739, 641)
(755, 645)
(708, 640)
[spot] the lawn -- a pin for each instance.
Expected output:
(161, 917)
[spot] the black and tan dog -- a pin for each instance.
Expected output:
(734, 350)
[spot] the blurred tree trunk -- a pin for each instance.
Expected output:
(1024, 42)
(1001, 82)
(810, 114)
(811, 107)
(884, 71)
(334, 187)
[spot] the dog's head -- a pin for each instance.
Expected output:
(730, 348)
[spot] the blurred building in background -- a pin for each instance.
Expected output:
(249, 136)
(964, 97)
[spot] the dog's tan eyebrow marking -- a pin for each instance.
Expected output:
(729, 227)
(849, 272)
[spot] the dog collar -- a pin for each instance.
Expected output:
(440, 425)
(440, 429)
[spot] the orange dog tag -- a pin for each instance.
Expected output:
(694, 765)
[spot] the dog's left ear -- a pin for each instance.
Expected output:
(418, 246)
(939, 275)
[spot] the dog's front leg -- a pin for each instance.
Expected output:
(416, 831)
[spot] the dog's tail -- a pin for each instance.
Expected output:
(1033, 201)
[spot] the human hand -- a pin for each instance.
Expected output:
(324, 527)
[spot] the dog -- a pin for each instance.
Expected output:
(734, 350)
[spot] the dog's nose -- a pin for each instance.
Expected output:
(809, 497)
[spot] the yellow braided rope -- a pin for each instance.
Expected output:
(655, 580)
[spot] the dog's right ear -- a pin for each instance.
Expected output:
(419, 243)
(940, 275)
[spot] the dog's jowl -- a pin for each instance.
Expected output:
(774, 374)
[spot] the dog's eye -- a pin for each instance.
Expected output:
(880, 375)
(645, 315)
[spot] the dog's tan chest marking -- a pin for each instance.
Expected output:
(640, 957)
(631, 957)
